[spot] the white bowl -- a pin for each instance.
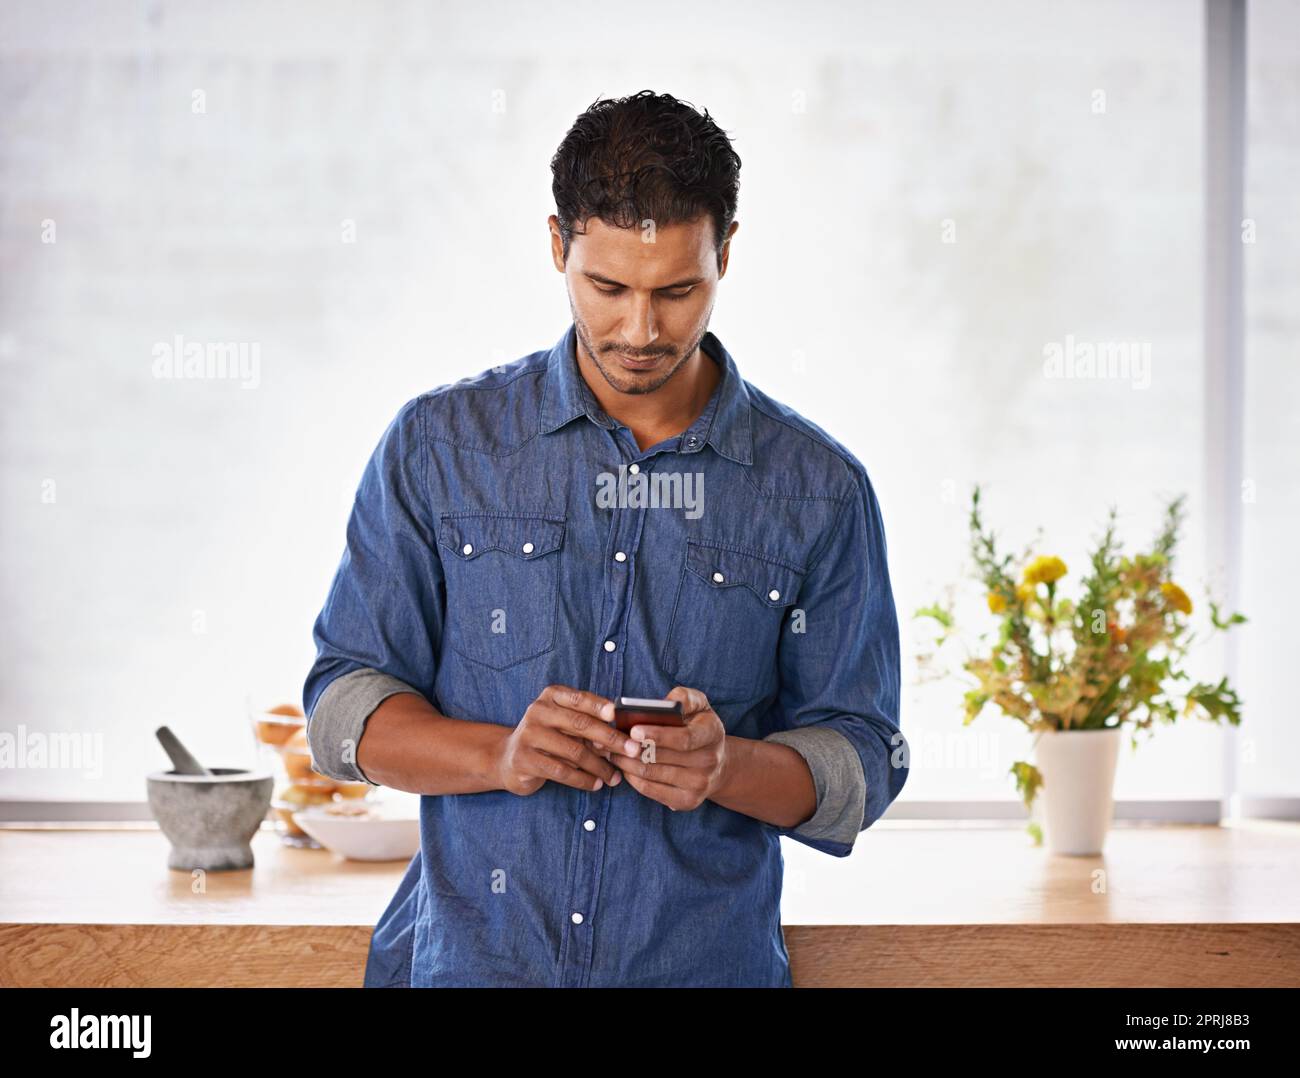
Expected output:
(382, 836)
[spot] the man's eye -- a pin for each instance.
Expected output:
(667, 295)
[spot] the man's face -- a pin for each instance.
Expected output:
(641, 308)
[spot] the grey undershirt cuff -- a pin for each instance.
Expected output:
(839, 780)
(339, 719)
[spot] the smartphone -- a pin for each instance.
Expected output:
(631, 710)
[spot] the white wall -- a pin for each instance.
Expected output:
(184, 506)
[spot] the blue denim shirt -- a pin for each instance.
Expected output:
(508, 534)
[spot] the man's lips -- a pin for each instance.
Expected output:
(637, 364)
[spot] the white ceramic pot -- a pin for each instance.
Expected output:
(1078, 791)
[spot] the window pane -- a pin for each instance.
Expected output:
(1064, 159)
(194, 526)
(1269, 741)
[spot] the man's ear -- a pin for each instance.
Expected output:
(725, 253)
(557, 242)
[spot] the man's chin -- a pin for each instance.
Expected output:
(632, 385)
(627, 380)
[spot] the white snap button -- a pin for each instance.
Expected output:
(717, 578)
(774, 595)
(590, 825)
(634, 468)
(576, 918)
(610, 645)
(468, 548)
(528, 548)
(620, 556)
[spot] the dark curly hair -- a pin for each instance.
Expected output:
(647, 156)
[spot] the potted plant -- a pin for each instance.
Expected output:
(1077, 673)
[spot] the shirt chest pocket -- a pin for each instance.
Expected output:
(503, 579)
(730, 610)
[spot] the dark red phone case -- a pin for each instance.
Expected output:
(627, 717)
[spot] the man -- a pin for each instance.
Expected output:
(510, 570)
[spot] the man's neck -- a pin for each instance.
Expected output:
(669, 410)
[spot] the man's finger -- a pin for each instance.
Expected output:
(585, 715)
(670, 796)
(693, 700)
(696, 758)
(662, 773)
(555, 769)
(694, 735)
(571, 699)
(576, 752)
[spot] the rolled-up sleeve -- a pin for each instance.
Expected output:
(838, 704)
(379, 631)
(339, 719)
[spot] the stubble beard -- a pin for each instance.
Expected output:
(623, 381)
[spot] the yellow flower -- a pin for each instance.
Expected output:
(1176, 597)
(1025, 592)
(1044, 569)
(997, 602)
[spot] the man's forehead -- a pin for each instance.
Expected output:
(684, 236)
(673, 252)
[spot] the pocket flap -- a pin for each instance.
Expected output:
(468, 535)
(774, 582)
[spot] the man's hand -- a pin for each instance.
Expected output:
(689, 760)
(552, 742)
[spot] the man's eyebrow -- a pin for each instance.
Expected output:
(600, 278)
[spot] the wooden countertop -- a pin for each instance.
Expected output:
(917, 904)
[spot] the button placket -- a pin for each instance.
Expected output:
(577, 952)
(620, 610)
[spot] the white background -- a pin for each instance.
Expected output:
(184, 505)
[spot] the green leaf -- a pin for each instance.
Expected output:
(942, 616)
(1219, 701)
(1028, 781)
(1217, 620)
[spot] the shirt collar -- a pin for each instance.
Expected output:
(724, 423)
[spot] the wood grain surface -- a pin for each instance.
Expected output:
(916, 905)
